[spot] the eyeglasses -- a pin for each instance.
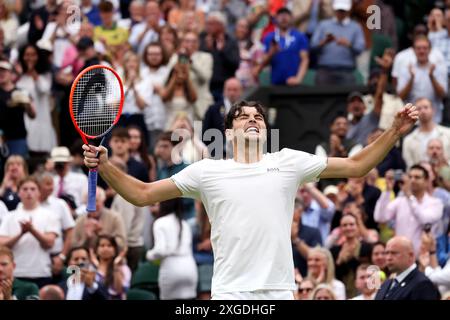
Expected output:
(303, 290)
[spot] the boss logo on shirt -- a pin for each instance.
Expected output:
(273, 169)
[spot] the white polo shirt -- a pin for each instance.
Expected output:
(250, 207)
(32, 261)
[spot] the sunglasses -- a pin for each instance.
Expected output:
(303, 290)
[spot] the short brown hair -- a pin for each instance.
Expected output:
(167, 136)
(236, 111)
(120, 132)
(28, 179)
(106, 6)
(5, 251)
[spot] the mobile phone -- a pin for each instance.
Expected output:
(183, 58)
(427, 227)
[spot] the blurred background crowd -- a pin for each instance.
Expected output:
(190, 60)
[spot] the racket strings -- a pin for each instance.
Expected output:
(96, 101)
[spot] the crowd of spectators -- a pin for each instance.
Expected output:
(185, 62)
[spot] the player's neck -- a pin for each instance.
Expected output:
(247, 154)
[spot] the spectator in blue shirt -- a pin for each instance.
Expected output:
(286, 50)
(303, 239)
(168, 166)
(91, 12)
(318, 210)
(337, 42)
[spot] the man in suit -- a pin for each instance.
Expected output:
(409, 283)
(215, 116)
(85, 287)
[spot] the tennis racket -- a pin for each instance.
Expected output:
(95, 104)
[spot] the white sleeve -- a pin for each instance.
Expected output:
(5, 226)
(49, 30)
(307, 165)
(355, 149)
(439, 276)
(320, 151)
(53, 226)
(3, 211)
(162, 246)
(67, 220)
(145, 90)
(188, 180)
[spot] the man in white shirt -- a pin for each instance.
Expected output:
(407, 56)
(64, 218)
(424, 78)
(415, 143)
(85, 287)
(147, 31)
(65, 180)
(249, 199)
(30, 231)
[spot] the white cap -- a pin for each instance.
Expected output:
(5, 65)
(345, 5)
(331, 189)
(60, 154)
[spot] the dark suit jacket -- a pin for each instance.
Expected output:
(215, 119)
(416, 286)
(100, 294)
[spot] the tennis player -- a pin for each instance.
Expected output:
(250, 199)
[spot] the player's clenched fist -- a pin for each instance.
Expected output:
(94, 156)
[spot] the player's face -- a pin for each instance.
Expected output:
(249, 125)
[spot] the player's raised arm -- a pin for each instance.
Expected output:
(133, 190)
(361, 163)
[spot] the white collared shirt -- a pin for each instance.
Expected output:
(227, 104)
(344, 22)
(405, 273)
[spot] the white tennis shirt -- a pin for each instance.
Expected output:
(250, 208)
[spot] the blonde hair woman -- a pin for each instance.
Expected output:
(138, 93)
(15, 171)
(323, 292)
(321, 268)
(8, 23)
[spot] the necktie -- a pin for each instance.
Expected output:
(61, 186)
(394, 285)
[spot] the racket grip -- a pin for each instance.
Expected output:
(92, 189)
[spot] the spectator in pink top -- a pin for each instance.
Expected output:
(413, 210)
